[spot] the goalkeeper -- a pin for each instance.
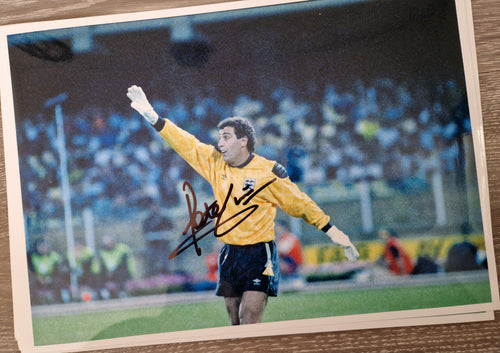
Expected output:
(248, 261)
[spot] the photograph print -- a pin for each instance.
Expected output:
(177, 175)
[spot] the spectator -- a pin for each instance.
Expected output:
(49, 281)
(118, 266)
(156, 228)
(295, 163)
(462, 257)
(425, 264)
(289, 250)
(87, 267)
(394, 257)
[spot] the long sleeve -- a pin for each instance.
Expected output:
(198, 155)
(296, 203)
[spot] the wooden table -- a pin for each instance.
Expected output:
(453, 338)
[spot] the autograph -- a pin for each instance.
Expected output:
(198, 220)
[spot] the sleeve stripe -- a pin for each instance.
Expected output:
(327, 227)
(279, 171)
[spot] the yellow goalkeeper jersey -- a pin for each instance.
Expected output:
(246, 196)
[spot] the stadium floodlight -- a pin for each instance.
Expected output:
(59, 99)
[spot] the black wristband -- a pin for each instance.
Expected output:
(160, 123)
(327, 227)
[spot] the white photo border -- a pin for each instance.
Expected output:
(22, 311)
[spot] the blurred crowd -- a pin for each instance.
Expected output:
(381, 130)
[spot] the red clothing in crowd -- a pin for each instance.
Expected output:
(396, 257)
(290, 250)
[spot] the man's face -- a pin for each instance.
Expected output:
(43, 248)
(233, 149)
(109, 243)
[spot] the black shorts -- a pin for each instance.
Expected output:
(242, 268)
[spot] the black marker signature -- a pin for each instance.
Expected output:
(198, 220)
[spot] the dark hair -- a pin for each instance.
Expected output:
(242, 127)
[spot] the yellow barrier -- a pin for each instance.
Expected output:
(435, 247)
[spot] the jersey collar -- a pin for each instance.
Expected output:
(245, 163)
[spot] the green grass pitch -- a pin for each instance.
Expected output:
(288, 306)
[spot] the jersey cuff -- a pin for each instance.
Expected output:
(327, 227)
(160, 123)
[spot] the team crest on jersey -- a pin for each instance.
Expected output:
(249, 184)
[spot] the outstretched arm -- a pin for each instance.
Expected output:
(298, 204)
(197, 154)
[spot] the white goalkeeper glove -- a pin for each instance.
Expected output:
(141, 104)
(339, 238)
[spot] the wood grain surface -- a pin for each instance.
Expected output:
(453, 338)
